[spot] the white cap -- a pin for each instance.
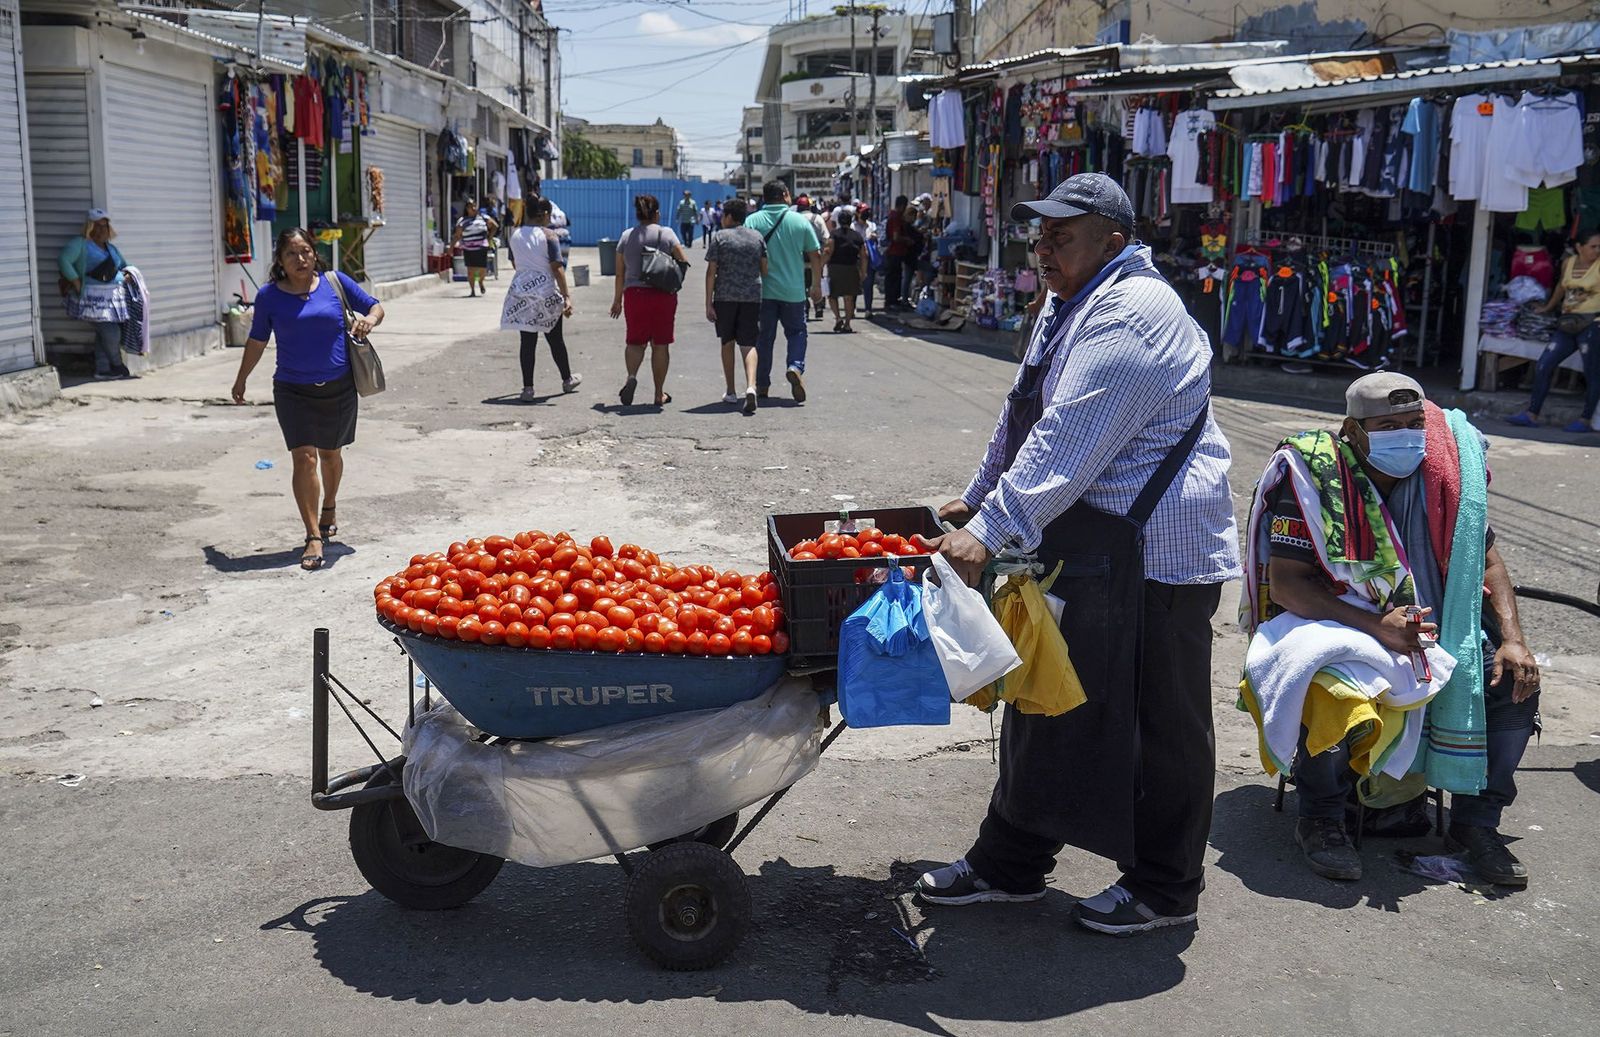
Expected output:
(96, 215)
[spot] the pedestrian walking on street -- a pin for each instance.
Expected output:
(793, 251)
(1107, 458)
(710, 220)
(650, 311)
(819, 226)
(95, 277)
(313, 387)
(539, 299)
(736, 262)
(688, 216)
(1577, 294)
(846, 258)
(897, 253)
(868, 230)
(474, 230)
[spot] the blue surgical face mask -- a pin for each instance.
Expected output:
(1397, 453)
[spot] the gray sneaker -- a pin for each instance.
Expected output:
(1327, 848)
(955, 885)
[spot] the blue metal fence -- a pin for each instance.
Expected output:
(604, 208)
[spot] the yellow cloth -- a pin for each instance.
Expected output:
(1334, 709)
(1046, 683)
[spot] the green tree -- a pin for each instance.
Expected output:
(582, 159)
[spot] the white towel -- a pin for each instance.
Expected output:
(1287, 651)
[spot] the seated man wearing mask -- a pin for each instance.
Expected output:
(1356, 545)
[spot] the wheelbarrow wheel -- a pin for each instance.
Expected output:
(424, 876)
(688, 906)
(718, 833)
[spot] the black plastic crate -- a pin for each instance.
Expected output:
(818, 596)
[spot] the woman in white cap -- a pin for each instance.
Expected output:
(92, 268)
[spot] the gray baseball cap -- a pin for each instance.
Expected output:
(1381, 394)
(1078, 196)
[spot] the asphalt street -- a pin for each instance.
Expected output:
(166, 873)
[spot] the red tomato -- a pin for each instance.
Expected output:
(612, 640)
(741, 642)
(780, 643)
(677, 643)
(488, 612)
(850, 552)
(563, 619)
(495, 544)
(805, 556)
(870, 534)
(628, 551)
(601, 546)
(510, 613)
(586, 636)
(604, 604)
(648, 622)
(582, 569)
(523, 540)
(698, 643)
(517, 634)
(447, 626)
(688, 619)
(725, 625)
(743, 617)
(539, 637)
(655, 643)
(494, 632)
(804, 545)
(469, 629)
(562, 639)
(430, 624)
(720, 644)
(621, 616)
(519, 594)
(564, 556)
(871, 549)
(456, 548)
(635, 640)
(568, 603)
(762, 620)
(532, 617)
(761, 644)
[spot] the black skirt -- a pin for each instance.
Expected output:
(476, 258)
(321, 415)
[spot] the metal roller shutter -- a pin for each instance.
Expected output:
(63, 190)
(161, 191)
(395, 250)
(18, 303)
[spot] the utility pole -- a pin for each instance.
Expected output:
(549, 104)
(963, 12)
(853, 71)
(522, 60)
(372, 29)
(872, 84)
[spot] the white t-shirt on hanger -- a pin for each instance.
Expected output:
(1469, 141)
(1149, 133)
(1184, 150)
(1500, 193)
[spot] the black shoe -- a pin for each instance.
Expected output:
(121, 371)
(954, 885)
(749, 402)
(1487, 854)
(1327, 848)
(1117, 912)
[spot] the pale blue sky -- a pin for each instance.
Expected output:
(713, 46)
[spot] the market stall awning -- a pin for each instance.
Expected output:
(1176, 78)
(1399, 84)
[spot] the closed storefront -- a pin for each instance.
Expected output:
(396, 249)
(63, 190)
(18, 299)
(161, 190)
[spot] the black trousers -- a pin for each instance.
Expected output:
(558, 349)
(1178, 762)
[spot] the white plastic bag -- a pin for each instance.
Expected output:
(974, 651)
(609, 790)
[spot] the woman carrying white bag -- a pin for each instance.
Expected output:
(538, 298)
(973, 650)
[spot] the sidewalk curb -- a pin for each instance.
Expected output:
(29, 389)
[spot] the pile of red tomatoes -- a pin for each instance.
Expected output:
(538, 590)
(869, 543)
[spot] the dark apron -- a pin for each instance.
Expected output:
(1074, 778)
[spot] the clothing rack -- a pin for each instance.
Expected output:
(1323, 243)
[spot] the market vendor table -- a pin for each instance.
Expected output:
(1500, 353)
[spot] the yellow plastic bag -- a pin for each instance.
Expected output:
(1046, 683)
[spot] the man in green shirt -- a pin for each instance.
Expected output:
(688, 216)
(791, 246)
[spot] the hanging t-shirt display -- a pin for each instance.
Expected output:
(1422, 126)
(1184, 150)
(1470, 118)
(1500, 192)
(1149, 133)
(1547, 145)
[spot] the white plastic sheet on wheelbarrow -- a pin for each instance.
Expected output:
(609, 790)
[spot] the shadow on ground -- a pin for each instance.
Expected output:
(221, 561)
(827, 943)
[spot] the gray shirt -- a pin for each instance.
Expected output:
(631, 249)
(738, 252)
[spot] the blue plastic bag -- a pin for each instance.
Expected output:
(874, 255)
(889, 672)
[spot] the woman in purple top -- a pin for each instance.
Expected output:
(313, 389)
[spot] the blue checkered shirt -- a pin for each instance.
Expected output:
(1117, 397)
